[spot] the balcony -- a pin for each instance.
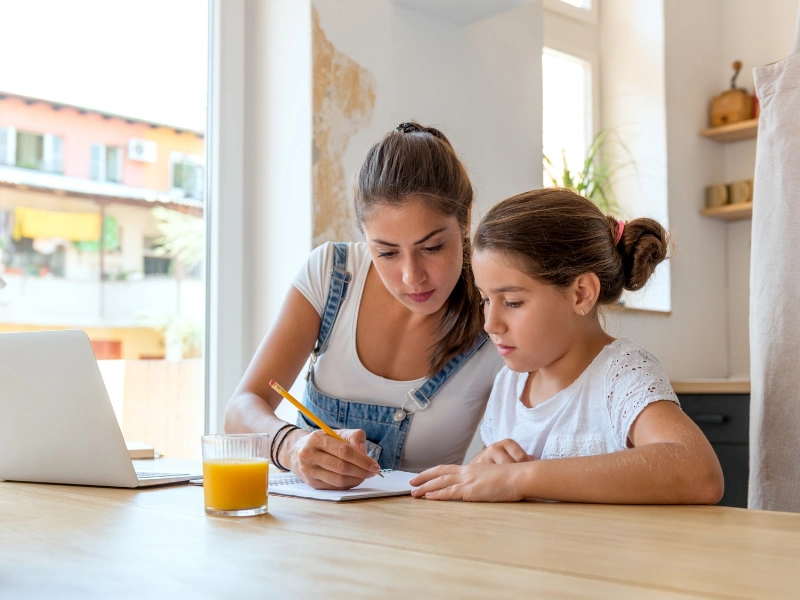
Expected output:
(84, 303)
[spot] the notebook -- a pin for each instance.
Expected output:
(393, 483)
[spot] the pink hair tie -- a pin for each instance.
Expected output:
(620, 229)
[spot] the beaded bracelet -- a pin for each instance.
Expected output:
(275, 439)
(280, 445)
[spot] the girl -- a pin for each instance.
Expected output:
(575, 415)
(399, 360)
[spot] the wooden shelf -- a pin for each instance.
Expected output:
(730, 212)
(711, 386)
(743, 130)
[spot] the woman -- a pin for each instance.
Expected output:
(399, 360)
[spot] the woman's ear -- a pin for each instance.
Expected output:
(585, 292)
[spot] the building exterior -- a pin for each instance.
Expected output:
(101, 228)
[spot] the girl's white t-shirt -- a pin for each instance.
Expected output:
(438, 435)
(591, 416)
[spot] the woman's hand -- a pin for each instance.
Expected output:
(501, 453)
(324, 462)
(472, 483)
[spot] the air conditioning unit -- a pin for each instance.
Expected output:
(142, 150)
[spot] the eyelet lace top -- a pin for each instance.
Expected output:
(593, 415)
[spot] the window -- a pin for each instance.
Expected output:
(106, 163)
(30, 151)
(43, 152)
(8, 145)
(188, 174)
(64, 263)
(584, 4)
(577, 10)
(567, 106)
(569, 86)
(155, 263)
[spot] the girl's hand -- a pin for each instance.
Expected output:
(324, 462)
(472, 483)
(501, 453)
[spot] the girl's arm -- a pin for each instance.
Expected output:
(320, 460)
(671, 462)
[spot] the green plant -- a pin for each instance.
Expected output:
(183, 237)
(594, 179)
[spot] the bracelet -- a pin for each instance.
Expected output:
(274, 439)
(280, 445)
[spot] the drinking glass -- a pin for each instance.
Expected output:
(235, 474)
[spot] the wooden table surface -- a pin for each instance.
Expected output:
(64, 541)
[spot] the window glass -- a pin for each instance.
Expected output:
(30, 150)
(567, 112)
(93, 235)
(585, 4)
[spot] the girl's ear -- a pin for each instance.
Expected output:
(585, 291)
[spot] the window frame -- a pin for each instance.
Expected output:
(102, 163)
(8, 146)
(585, 15)
(224, 334)
(571, 40)
(193, 160)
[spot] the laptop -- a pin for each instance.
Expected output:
(57, 424)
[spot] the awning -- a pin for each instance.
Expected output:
(75, 227)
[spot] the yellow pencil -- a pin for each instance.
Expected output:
(299, 406)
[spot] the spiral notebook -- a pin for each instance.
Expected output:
(393, 483)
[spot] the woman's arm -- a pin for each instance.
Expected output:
(320, 460)
(671, 463)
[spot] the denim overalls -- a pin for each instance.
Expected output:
(386, 426)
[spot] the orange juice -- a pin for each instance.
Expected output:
(235, 483)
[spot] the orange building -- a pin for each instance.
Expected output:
(82, 241)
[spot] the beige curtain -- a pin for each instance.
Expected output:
(775, 290)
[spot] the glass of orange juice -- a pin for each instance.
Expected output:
(235, 474)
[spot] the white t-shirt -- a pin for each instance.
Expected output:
(438, 435)
(591, 416)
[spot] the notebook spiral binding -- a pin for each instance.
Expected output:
(293, 480)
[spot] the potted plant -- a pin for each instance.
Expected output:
(594, 179)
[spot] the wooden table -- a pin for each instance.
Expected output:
(64, 541)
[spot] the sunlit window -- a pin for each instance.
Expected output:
(102, 211)
(567, 108)
(585, 4)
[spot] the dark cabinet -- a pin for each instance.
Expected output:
(725, 420)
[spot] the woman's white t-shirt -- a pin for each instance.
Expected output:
(591, 416)
(438, 435)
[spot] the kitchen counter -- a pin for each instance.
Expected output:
(711, 386)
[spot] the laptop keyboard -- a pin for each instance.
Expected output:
(149, 475)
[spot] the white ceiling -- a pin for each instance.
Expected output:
(462, 12)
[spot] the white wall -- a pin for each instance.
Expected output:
(277, 156)
(691, 341)
(707, 333)
(757, 33)
(479, 83)
(634, 108)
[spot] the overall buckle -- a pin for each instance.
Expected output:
(414, 395)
